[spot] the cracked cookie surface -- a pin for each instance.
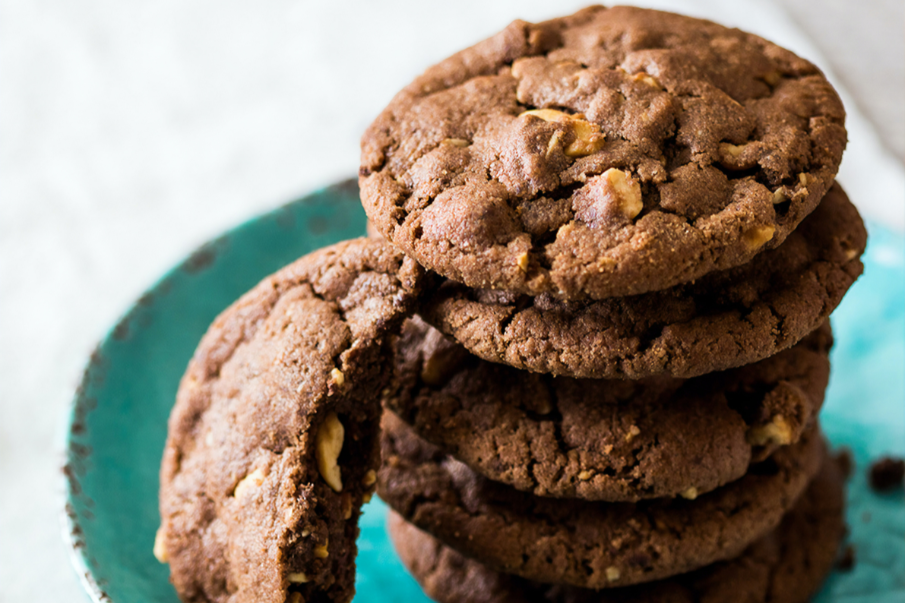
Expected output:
(723, 320)
(608, 153)
(786, 566)
(589, 544)
(272, 443)
(598, 439)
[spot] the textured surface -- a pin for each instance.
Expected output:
(249, 508)
(721, 143)
(723, 320)
(599, 439)
(585, 543)
(785, 566)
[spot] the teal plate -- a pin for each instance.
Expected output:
(118, 421)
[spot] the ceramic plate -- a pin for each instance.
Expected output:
(118, 421)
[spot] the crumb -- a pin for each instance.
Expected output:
(887, 474)
(846, 561)
(845, 461)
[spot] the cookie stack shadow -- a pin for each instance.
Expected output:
(554, 432)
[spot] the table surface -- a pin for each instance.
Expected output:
(130, 133)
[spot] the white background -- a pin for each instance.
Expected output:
(131, 132)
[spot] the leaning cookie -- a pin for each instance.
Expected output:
(586, 543)
(272, 443)
(597, 439)
(608, 153)
(786, 566)
(723, 320)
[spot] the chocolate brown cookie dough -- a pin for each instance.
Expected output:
(272, 443)
(586, 543)
(723, 320)
(608, 153)
(786, 566)
(605, 439)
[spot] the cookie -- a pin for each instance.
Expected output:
(272, 443)
(586, 543)
(786, 566)
(605, 439)
(723, 320)
(609, 153)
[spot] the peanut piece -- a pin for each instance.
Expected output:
(329, 444)
(337, 377)
(347, 505)
(734, 156)
(160, 546)
(369, 479)
(689, 493)
(758, 235)
(547, 115)
(249, 482)
(298, 578)
(777, 431)
(588, 137)
(732, 150)
(554, 143)
(321, 551)
(772, 78)
(646, 79)
(632, 432)
(612, 573)
(625, 192)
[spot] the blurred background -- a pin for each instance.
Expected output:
(132, 132)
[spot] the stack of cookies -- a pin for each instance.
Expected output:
(611, 391)
(622, 237)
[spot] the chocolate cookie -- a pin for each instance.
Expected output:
(786, 566)
(606, 440)
(272, 443)
(723, 320)
(586, 543)
(609, 153)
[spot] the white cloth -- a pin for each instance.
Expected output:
(131, 132)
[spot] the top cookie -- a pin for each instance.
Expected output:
(609, 153)
(272, 441)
